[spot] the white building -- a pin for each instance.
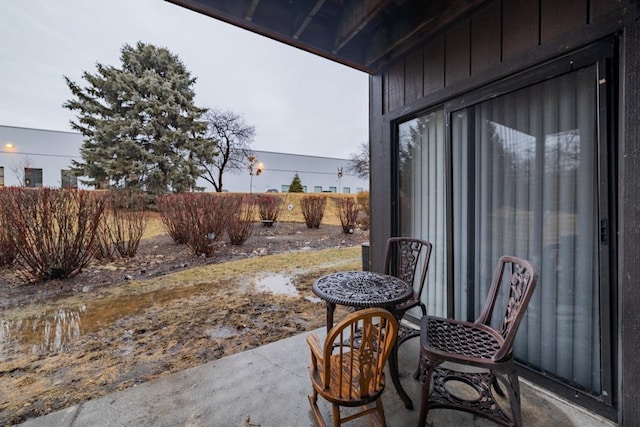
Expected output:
(42, 158)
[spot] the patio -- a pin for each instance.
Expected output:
(268, 386)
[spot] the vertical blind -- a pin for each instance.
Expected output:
(422, 197)
(534, 179)
(524, 171)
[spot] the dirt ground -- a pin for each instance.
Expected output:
(122, 323)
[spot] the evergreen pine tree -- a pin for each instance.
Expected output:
(296, 185)
(140, 125)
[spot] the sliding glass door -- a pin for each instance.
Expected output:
(517, 174)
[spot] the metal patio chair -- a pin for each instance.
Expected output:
(479, 345)
(405, 258)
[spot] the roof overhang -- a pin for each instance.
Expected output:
(364, 34)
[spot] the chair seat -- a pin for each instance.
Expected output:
(341, 392)
(414, 301)
(463, 342)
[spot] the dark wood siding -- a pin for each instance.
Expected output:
(456, 52)
(630, 230)
(503, 31)
(561, 17)
(433, 65)
(485, 38)
(414, 72)
(520, 27)
(395, 85)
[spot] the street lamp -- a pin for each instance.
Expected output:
(255, 167)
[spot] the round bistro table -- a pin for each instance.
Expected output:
(364, 289)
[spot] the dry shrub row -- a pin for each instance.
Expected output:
(313, 210)
(201, 219)
(53, 231)
(123, 224)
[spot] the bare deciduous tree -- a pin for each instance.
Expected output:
(234, 137)
(358, 163)
(20, 167)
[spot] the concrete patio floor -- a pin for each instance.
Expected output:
(268, 386)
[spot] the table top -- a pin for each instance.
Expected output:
(362, 289)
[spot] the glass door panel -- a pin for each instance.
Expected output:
(421, 170)
(525, 183)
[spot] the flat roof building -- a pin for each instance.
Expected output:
(42, 158)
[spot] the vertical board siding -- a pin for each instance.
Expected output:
(561, 17)
(520, 26)
(456, 53)
(434, 65)
(395, 86)
(413, 74)
(485, 38)
(630, 230)
(500, 31)
(601, 8)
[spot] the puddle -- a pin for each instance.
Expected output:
(279, 284)
(58, 330)
(55, 331)
(222, 332)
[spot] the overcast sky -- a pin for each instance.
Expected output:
(298, 102)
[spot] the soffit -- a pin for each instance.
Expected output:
(364, 34)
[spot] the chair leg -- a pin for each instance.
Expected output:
(514, 398)
(426, 375)
(496, 384)
(336, 416)
(313, 401)
(383, 421)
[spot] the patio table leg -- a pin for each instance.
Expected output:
(330, 309)
(393, 370)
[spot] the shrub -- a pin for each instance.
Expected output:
(53, 230)
(174, 217)
(347, 211)
(269, 207)
(240, 225)
(125, 220)
(313, 210)
(365, 210)
(196, 219)
(7, 248)
(104, 249)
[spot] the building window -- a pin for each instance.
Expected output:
(304, 188)
(359, 189)
(346, 189)
(68, 179)
(285, 188)
(1, 176)
(32, 177)
(317, 189)
(332, 189)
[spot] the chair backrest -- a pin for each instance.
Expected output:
(521, 278)
(355, 352)
(402, 256)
